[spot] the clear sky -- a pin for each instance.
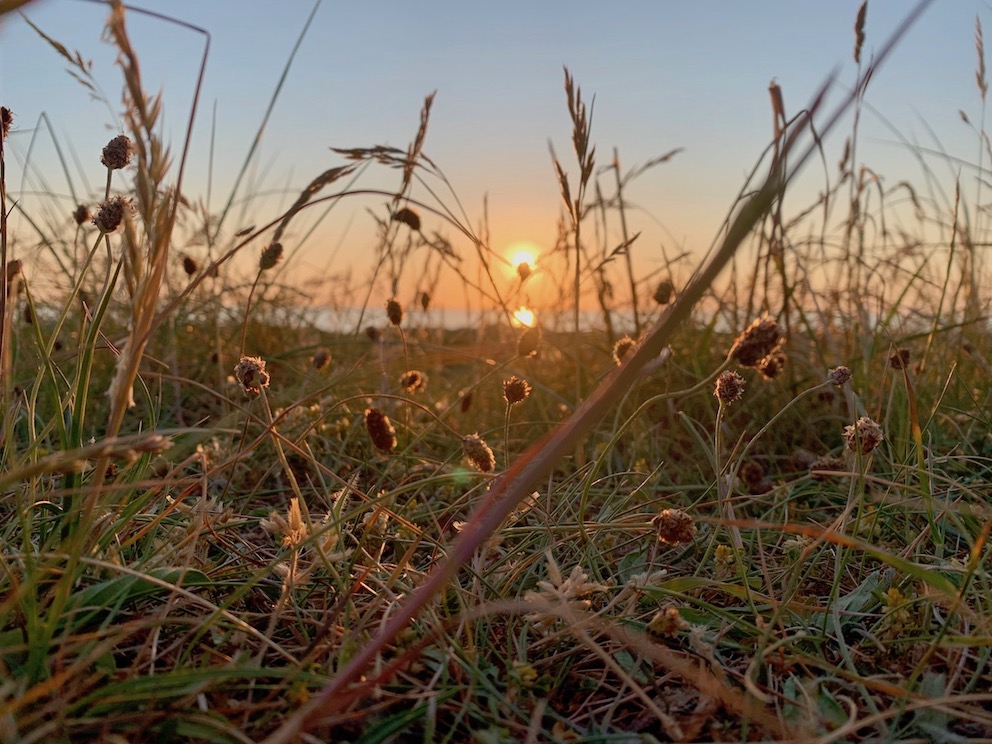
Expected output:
(665, 74)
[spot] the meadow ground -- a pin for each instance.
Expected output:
(753, 506)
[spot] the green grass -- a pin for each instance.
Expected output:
(239, 558)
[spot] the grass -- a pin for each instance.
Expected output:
(769, 522)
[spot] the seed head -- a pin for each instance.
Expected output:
(190, 266)
(529, 341)
(621, 348)
(111, 213)
(729, 387)
(408, 217)
(118, 152)
(381, 432)
(863, 436)
(321, 358)
(772, 365)
(663, 292)
(413, 381)
(394, 311)
(6, 119)
(478, 453)
(839, 376)
(82, 214)
(270, 256)
(819, 468)
(515, 390)
(374, 334)
(899, 359)
(523, 270)
(251, 375)
(757, 341)
(425, 300)
(674, 526)
(667, 623)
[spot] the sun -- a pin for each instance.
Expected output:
(522, 252)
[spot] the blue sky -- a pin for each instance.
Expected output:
(691, 74)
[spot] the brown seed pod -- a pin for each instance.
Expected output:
(380, 430)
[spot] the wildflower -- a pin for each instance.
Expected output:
(6, 119)
(729, 387)
(478, 453)
(381, 432)
(408, 217)
(674, 526)
(899, 359)
(251, 375)
(723, 555)
(757, 341)
(515, 390)
(772, 365)
(394, 311)
(111, 213)
(839, 376)
(863, 436)
(118, 152)
(663, 292)
(82, 214)
(190, 266)
(529, 341)
(622, 348)
(413, 381)
(292, 527)
(666, 623)
(270, 256)
(321, 358)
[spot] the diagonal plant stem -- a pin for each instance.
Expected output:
(538, 460)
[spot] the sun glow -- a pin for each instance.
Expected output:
(524, 316)
(522, 253)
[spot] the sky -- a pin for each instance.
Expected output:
(660, 75)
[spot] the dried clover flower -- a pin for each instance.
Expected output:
(408, 217)
(663, 292)
(899, 359)
(863, 436)
(394, 311)
(251, 375)
(82, 214)
(478, 453)
(667, 623)
(381, 431)
(839, 375)
(529, 341)
(270, 256)
(321, 358)
(757, 341)
(729, 387)
(413, 381)
(118, 152)
(674, 526)
(111, 213)
(622, 348)
(515, 390)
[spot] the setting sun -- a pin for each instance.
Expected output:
(522, 253)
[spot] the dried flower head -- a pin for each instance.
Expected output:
(752, 473)
(321, 358)
(111, 213)
(251, 375)
(529, 342)
(190, 266)
(757, 341)
(772, 365)
(667, 623)
(729, 387)
(821, 467)
(82, 214)
(381, 431)
(292, 528)
(524, 270)
(839, 376)
(663, 292)
(374, 334)
(408, 217)
(425, 300)
(394, 311)
(270, 256)
(6, 119)
(118, 152)
(621, 348)
(515, 390)
(674, 526)
(413, 381)
(863, 436)
(478, 453)
(899, 359)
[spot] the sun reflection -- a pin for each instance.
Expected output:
(524, 316)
